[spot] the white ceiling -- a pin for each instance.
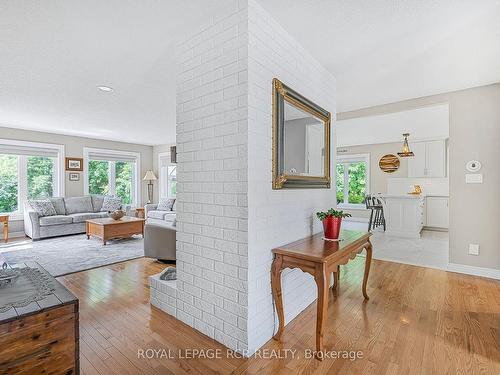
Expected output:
(55, 53)
(383, 51)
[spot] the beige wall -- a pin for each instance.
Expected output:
(377, 178)
(74, 148)
(474, 134)
(157, 150)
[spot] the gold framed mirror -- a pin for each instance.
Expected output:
(301, 141)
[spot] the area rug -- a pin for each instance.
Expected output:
(69, 254)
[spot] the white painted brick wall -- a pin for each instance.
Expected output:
(212, 177)
(276, 217)
(229, 218)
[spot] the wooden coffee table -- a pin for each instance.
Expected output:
(107, 228)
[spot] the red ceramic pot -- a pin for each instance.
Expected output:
(331, 227)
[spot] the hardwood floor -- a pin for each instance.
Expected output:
(417, 321)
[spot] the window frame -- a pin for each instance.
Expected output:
(349, 159)
(161, 187)
(22, 171)
(110, 154)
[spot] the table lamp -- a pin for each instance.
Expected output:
(150, 176)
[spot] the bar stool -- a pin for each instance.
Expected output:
(376, 212)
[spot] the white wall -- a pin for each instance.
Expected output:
(474, 135)
(430, 122)
(277, 217)
(212, 177)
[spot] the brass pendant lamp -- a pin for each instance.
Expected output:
(406, 152)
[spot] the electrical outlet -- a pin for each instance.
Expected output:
(473, 249)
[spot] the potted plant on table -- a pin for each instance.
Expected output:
(332, 219)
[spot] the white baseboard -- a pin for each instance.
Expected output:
(475, 271)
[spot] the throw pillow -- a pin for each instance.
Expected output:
(166, 204)
(59, 206)
(97, 201)
(43, 207)
(111, 204)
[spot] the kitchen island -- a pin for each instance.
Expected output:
(404, 214)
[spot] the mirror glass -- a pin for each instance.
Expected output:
(304, 142)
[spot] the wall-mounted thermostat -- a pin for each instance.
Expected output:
(473, 166)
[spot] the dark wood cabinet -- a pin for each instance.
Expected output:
(42, 337)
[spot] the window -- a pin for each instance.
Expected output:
(109, 172)
(168, 176)
(28, 170)
(352, 173)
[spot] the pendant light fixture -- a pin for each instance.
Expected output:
(406, 152)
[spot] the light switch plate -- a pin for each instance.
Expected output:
(473, 178)
(473, 249)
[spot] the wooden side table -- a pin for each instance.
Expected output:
(5, 220)
(320, 258)
(139, 212)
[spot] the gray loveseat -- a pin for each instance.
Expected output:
(70, 219)
(153, 215)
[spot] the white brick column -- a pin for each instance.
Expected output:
(212, 178)
(228, 216)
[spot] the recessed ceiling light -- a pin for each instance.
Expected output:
(105, 88)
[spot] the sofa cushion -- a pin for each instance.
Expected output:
(97, 201)
(59, 206)
(169, 217)
(157, 214)
(111, 204)
(166, 204)
(43, 207)
(55, 220)
(81, 217)
(76, 205)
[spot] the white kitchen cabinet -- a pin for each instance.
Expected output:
(429, 159)
(437, 212)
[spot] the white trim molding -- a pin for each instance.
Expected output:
(353, 158)
(491, 273)
(22, 149)
(112, 156)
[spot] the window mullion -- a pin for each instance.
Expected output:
(22, 176)
(112, 178)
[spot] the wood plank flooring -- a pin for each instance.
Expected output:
(417, 321)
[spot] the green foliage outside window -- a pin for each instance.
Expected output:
(8, 183)
(98, 177)
(340, 183)
(356, 173)
(357, 182)
(40, 177)
(124, 181)
(99, 172)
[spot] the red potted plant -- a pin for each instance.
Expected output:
(332, 220)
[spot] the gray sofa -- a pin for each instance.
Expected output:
(159, 241)
(70, 219)
(153, 215)
(160, 233)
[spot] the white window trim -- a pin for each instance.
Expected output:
(162, 155)
(348, 159)
(59, 186)
(136, 199)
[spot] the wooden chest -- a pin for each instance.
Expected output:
(41, 337)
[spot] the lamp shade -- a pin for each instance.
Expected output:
(149, 176)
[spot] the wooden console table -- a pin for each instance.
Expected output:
(319, 258)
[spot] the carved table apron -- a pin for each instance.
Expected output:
(320, 258)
